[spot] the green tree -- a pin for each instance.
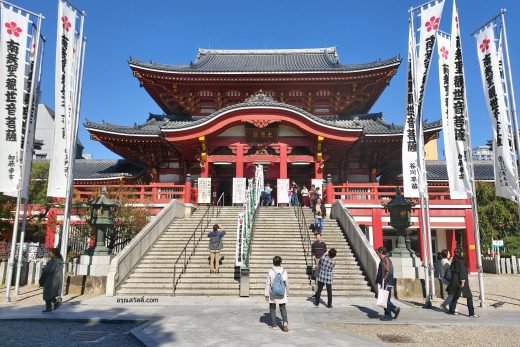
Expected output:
(498, 217)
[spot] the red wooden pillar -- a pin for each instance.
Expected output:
(377, 227)
(422, 251)
(283, 160)
(187, 192)
(51, 227)
(240, 161)
(329, 197)
(204, 170)
(318, 172)
(451, 241)
(471, 257)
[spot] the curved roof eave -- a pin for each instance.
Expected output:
(339, 68)
(259, 101)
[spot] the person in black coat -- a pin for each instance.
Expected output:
(52, 280)
(459, 284)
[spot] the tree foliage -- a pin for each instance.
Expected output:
(498, 218)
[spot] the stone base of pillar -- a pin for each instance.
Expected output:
(407, 267)
(94, 265)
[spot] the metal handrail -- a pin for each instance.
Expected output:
(304, 230)
(183, 253)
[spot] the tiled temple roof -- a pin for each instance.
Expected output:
(437, 170)
(370, 124)
(267, 60)
(85, 169)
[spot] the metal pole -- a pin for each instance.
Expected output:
(10, 265)
(72, 147)
(20, 252)
(502, 11)
(413, 9)
(27, 152)
(512, 102)
(39, 15)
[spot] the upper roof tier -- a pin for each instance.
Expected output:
(311, 79)
(266, 60)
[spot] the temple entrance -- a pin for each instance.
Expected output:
(301, 173)
(222, 178)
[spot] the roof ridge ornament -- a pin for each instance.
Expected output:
(260, 97)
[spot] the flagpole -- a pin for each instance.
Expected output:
(72, 146)
(27, 159)
(512, 102)
(11, 262)
(418, 141)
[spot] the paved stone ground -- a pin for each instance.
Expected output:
(232, 321)
(25, 333)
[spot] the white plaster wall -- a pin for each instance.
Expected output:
(238, 130)
(284, 130)
(441, 240)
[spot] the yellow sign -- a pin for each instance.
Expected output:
(472, 247)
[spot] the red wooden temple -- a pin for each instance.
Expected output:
(299, 112)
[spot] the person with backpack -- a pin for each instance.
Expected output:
(215, 246)
(276, 290)
(325, 265)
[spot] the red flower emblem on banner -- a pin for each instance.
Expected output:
(484, 46)
(432, 24)
(444, 53)
(13, 29)
(66, 23)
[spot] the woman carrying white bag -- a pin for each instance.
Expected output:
(385, 280)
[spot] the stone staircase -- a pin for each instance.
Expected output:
(154, 273)
(277, 233)
(348, 276)
(197, 280)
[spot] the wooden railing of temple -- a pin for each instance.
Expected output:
(153, 193)
(373, 193)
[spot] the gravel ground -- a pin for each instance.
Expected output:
(62, 333)
(432, 335)
(498, 289)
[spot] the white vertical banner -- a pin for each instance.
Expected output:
(459, 173)
(506, 178)
(32, 87)
(13, 54)
(444, 53)
(65, 95)
(409, 147)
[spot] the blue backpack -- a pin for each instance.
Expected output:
(278, 285)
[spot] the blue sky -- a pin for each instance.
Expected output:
(171, 31)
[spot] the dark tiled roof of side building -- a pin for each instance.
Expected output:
(437, 171)
(85, 169)
(267, 60)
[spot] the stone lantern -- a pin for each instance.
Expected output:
(96, 261)
(101, 217)
(400, 210)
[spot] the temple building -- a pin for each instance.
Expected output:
(300, 113)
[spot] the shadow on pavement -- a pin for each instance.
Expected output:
(372, 314)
